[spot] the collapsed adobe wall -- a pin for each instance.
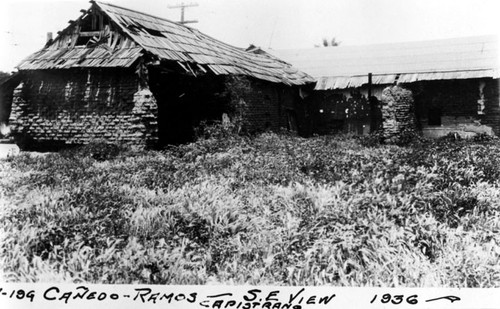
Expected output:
(398, 116)
(79, 106)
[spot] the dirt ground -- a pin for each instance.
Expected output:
(7, 150)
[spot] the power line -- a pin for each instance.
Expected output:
(272, 33)
(183, 7)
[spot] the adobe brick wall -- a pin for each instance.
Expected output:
(459, 101)
(455, 98)
(267, 105)
(398, 115)
(263, 107)
(78, 106)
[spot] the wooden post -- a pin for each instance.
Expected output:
(369, 85)
(373, 106)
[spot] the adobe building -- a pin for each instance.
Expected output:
(454, 82)
(125, 76)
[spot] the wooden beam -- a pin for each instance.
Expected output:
(94, 21)
(90, 33)
(101, 22)
(369, 85)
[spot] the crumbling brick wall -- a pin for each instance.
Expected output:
(264, 105)
(263, 110)
(78, 106)
(398, 116)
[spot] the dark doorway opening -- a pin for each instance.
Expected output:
(434, 116)
(375, 114)
(291, 119)
(184, 102)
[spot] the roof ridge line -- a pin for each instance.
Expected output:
(142, 13)
(193, 30)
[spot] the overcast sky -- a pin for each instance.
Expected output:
(278, 24)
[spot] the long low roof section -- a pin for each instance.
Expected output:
(348, 66)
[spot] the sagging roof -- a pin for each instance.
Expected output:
(348, 66)
(80, 56)
(125, 35)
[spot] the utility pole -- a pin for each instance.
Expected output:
(183, 6)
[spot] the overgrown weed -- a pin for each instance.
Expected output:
(269, 209)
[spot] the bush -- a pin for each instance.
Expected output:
(97, 150)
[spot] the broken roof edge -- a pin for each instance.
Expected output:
(142, 13)
(303, 80)
(66, 59)
(194, 30)
(355, 81)
(56, 54)
(13, 78)
(71, 24)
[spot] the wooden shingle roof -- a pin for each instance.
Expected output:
(166, 41)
